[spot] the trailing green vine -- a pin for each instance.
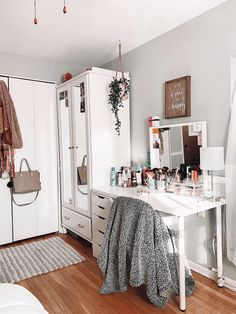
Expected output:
(116, 97)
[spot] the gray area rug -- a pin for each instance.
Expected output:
(36, 258)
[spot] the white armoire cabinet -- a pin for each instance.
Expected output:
(87, 128)
(35, 104)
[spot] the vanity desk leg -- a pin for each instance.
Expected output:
(220, 277)
(182, 305)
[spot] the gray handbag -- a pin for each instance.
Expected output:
(25, 182)
(82, 173)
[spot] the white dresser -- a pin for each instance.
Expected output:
(101, 206)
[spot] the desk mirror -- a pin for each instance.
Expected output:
(173, 145)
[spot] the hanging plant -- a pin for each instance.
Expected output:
(119, 91)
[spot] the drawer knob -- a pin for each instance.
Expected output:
(67, 218)
(80, 226)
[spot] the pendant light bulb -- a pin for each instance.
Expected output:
(35, 13)
(64, 8)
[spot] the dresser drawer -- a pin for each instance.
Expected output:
(99, 222)
(101, 201)
(98, 235)
(76, 222)
(100, 210)
(96, 249)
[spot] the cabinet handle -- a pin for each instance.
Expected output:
(102, 197)
(100, 231)
(101, 207)
(71, 147)
(67, 218)
(101, 217)
(80, 226)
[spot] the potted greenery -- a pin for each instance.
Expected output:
(119, 91)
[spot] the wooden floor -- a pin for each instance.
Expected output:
(74, 289)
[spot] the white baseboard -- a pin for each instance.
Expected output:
(228, 283)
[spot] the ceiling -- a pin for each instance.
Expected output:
(88, 34)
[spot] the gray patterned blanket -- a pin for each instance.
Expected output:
(139, 249)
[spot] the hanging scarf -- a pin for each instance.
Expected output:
(10, 134)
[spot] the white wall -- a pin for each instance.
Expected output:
(34, 68)
(203, 49)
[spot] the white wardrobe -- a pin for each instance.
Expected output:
(87, 127)
(35, 104)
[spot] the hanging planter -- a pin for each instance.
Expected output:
(119, 91)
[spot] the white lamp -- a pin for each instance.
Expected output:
(212, 159)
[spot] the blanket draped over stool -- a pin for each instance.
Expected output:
(139, 249)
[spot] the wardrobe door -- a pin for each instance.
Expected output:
(80, 139)
(5, 213)
(107, 148)
(25, 217)
(66, 146)
(5, 205)
(46, 156)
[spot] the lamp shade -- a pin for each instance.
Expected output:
(212, 158)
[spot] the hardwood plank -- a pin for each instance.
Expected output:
(75, 290)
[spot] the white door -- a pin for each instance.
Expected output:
(5, 213)
(5, 205)
(46, 156)
(80, 140)
(66, 146)
(24, 218)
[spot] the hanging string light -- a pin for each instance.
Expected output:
(64, 8)
(35, 13)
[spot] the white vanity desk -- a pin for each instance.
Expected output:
(172, 204)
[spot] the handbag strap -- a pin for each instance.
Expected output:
(27, 164)
(83, 162)
(25, 204)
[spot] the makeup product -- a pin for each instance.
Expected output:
(124, 179)
(183, 172)
(113, 176)
(139, 178)
(119, 179)
(134, 179)
(144, 176)
(194, 175)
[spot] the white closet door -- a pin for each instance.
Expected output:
(24, 218)
(5, 207)
(46, 156)
(5, 213)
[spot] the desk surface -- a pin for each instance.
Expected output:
(173, 204)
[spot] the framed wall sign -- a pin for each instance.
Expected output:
(178, 98)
